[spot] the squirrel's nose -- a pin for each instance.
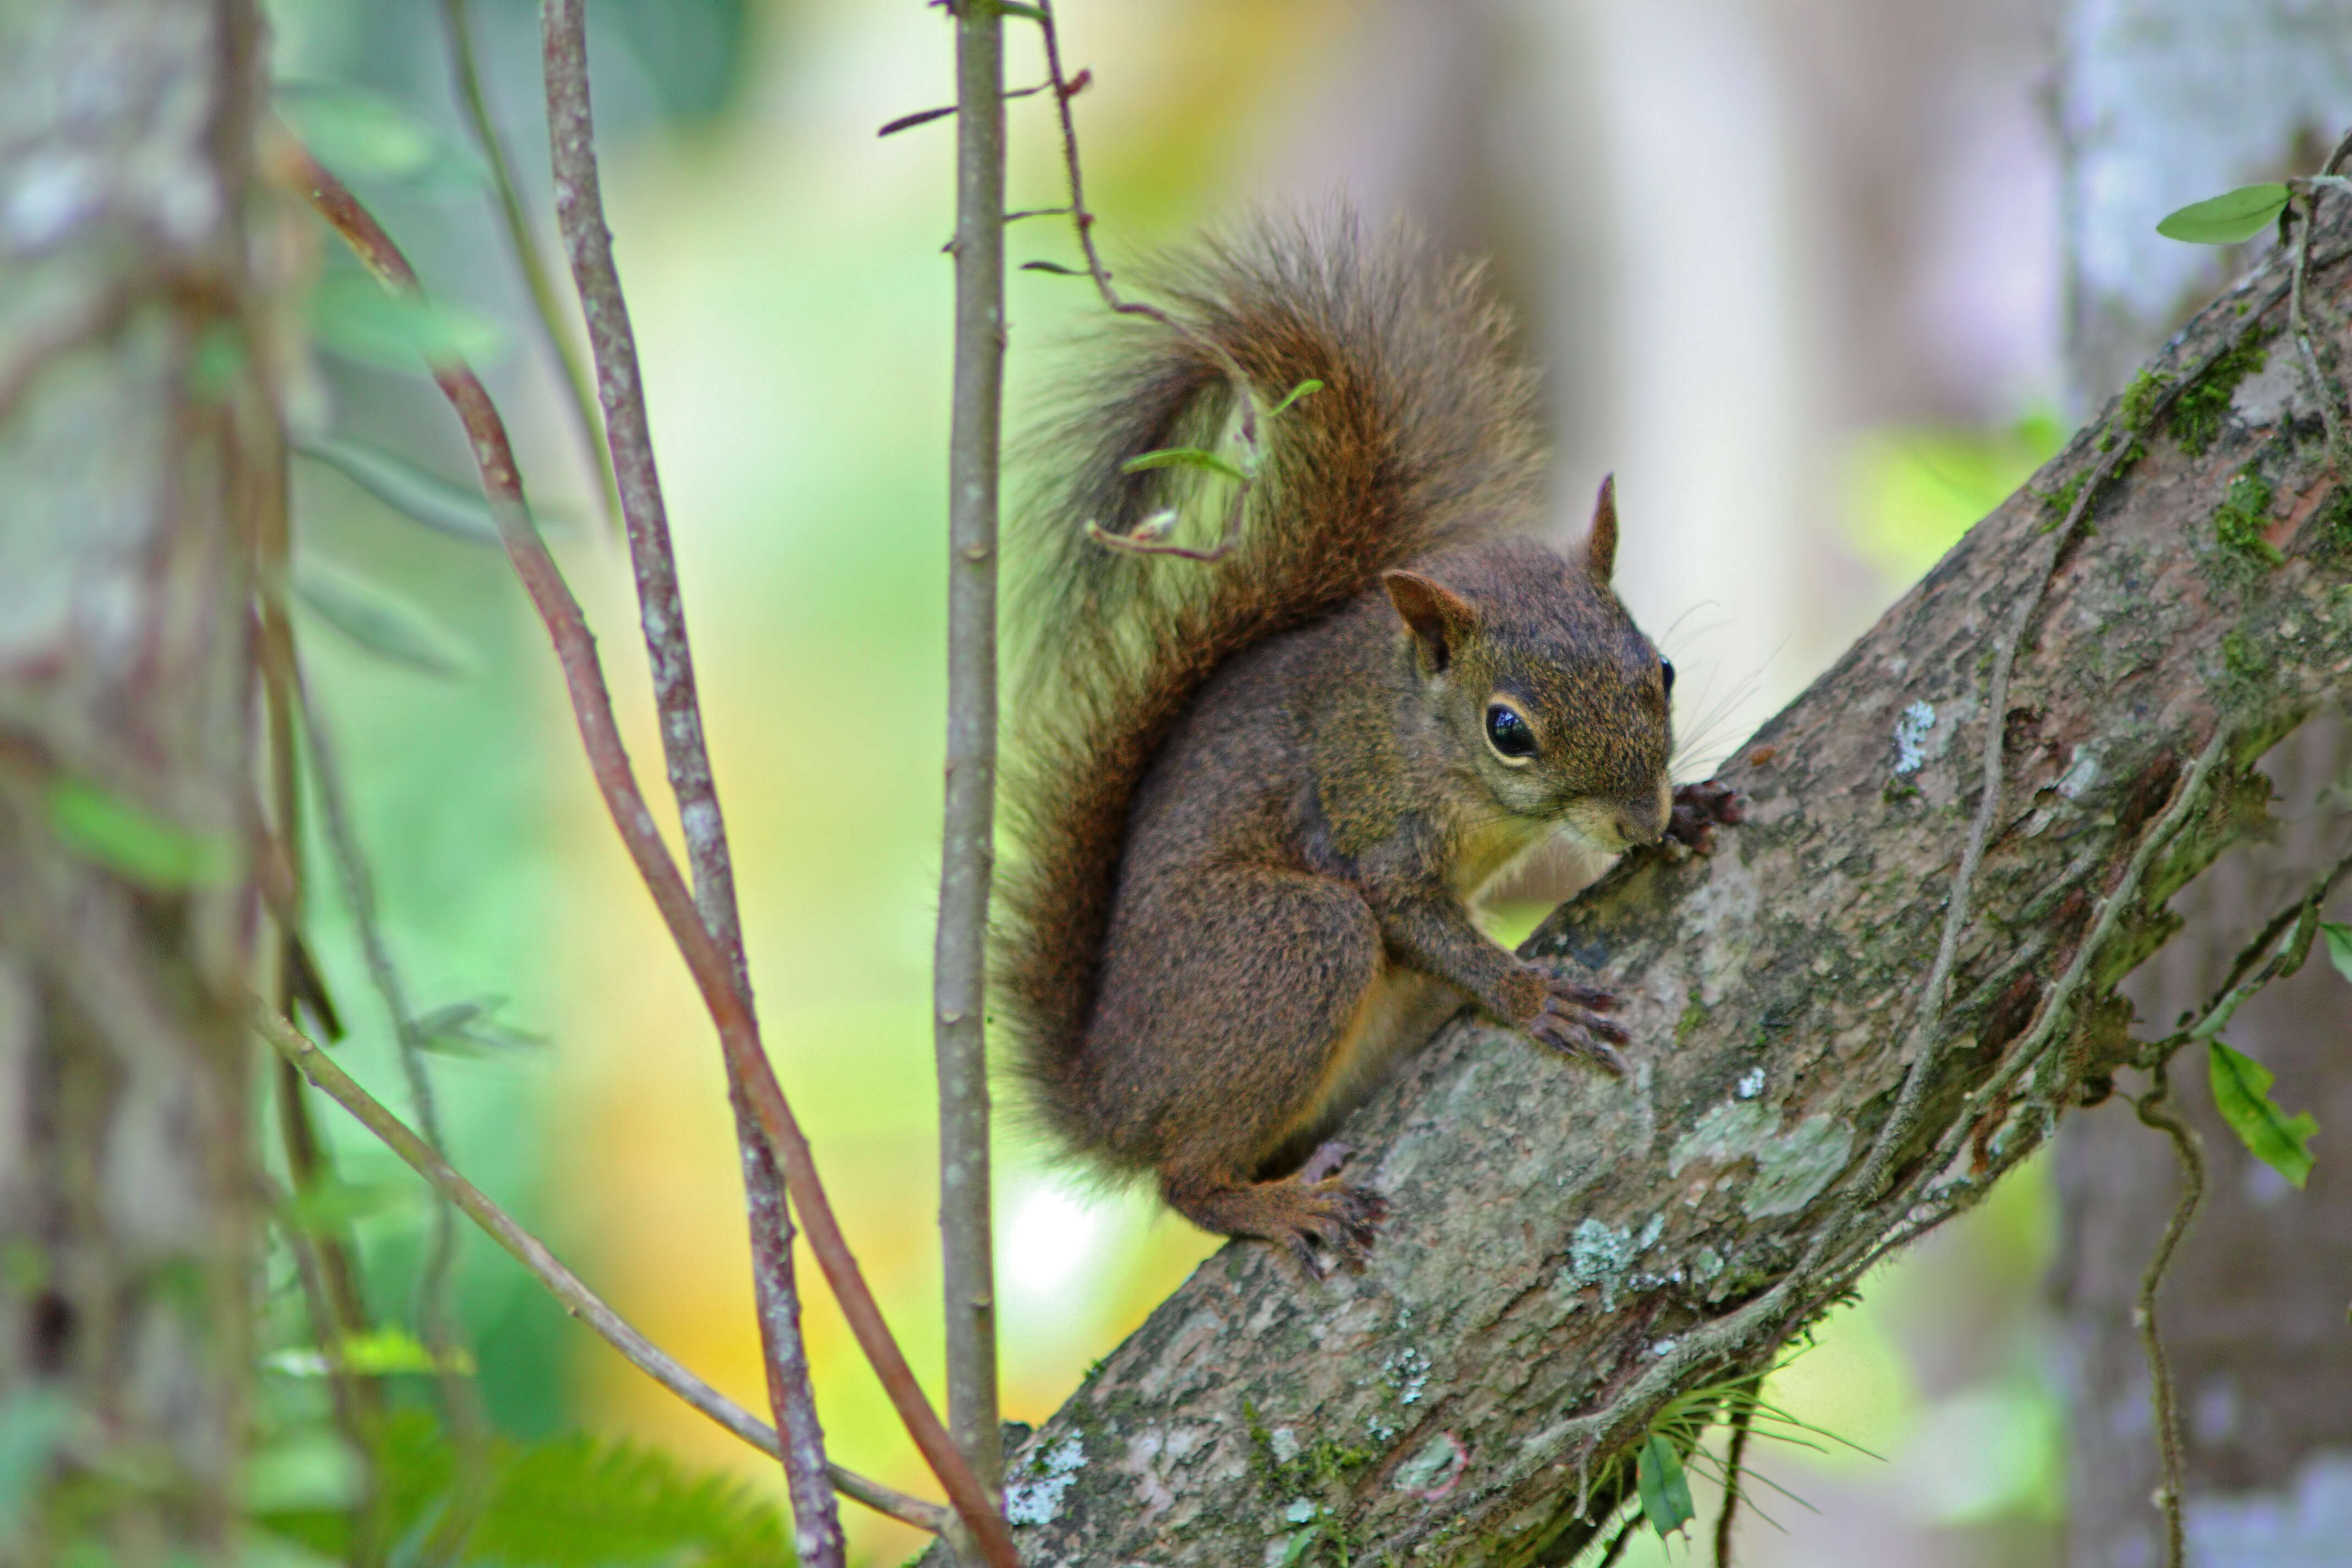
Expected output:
(1644, 821)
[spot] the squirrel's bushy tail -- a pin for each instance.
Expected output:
(1423, 436)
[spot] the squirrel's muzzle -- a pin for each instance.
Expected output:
(1644, 820)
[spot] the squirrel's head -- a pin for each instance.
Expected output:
(1547, 691)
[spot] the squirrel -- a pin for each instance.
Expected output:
(1259, 798)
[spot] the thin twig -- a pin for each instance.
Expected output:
(331, 1278)
(959, 952)
(578, 1300)
(1841, 1249)
(1926, 1036)
(523, 246)
(2156, 1114)
(1735, 1462)
(1082, 220)
(358, 884)
(1619, 1542)
(460, 1398)
(2301, 916)
(2277, 926)
(1850, 1250)
(580, 216)
(591, 707)
(1927, 1039)
(356, 1425)
(2305, 202)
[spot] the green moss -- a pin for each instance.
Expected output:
(2059, 502)
(2333, 526)
(1305, 1485)
(2243, 519)
(2198, 412)
(2142, 400)
(1693, 1016)
(2242, 657)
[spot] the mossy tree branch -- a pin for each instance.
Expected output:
(1569, 1252)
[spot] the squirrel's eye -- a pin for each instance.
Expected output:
(1509, 733)
(1667, 670)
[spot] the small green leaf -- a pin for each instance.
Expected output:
(128, 838)
(366, 136)
(415, 493)
(379, 1352)
(329, 1206)
(2241, 1091)
(472, 1028)
(384, 624)
(2226, 219)
(2340, 946)
(1303, 389)
(1665, 1487)
(358, 318)
(1055, 268)
(1182, 458)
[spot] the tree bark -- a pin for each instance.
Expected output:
(2160, 103)
(135, 449)
(1568, 1251)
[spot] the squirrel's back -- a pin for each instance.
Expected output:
(1422, 437)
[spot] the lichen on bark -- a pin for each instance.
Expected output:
(1557, 1234)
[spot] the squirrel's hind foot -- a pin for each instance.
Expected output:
(1319, 1221)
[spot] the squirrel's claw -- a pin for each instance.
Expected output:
(1344, 1221)
(1570, 1022)
(1699, 808)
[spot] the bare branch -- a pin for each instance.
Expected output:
(457, 22)
(2156, 1112)
(591, 706)
(580, 214)
(1082, 221)
(1566, 1256)
(357, 885)
(960, 955)
(302, 1054)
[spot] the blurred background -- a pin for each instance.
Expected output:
(1794, 271)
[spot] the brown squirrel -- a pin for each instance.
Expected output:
(1258, 798)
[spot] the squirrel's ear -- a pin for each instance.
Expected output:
(1438, 615)
(1600, 539)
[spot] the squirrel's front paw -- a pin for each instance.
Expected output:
(1570, 1020)
(1698, 809)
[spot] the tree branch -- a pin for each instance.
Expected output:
(591, 707)
(2154, 1110)
(303, 1055)
(967, 844)
(580, 214)
(456, 21)
(1820, 1038)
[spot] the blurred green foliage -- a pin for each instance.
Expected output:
(1911, 493)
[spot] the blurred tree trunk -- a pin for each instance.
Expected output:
(2163, 102)
(133, 453)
